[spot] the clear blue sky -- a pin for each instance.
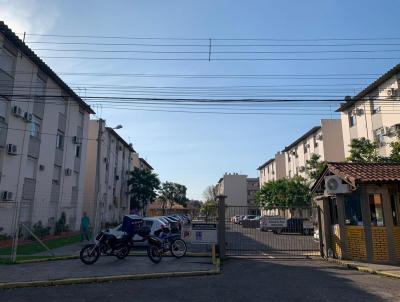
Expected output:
(196, 149)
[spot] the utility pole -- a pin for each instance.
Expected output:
(97, 186)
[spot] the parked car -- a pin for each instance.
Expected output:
(238, 219)
(296, 225)
(234, 218)
(246, 217)
(153, 223)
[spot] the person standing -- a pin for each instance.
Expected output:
(85, 224)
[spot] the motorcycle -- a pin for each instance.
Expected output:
(108, 244)
(164, 242)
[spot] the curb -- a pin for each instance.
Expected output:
(363, 269)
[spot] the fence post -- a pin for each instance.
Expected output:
(321, 244)
(221, 226)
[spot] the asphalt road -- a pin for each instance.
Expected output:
(242, 241)
(241, 280)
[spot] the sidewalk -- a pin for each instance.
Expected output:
(378, 269)
(105, 269)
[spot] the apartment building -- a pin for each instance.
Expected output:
(374, 113)
(273, 169)
(108, 167)
(325, 140)
(43, 131)
(239, 191)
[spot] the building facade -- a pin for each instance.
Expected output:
(273, 169)
(43, 140)
(108, 167)
(374, 113)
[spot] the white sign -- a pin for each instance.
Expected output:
(203, 233)
(274, 221)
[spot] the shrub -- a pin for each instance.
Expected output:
(39, 230)
(61, 224)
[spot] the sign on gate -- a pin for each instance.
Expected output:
(204, 233)
(274, 222)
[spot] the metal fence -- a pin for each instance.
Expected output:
(280, 232)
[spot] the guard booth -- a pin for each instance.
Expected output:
(360, 206)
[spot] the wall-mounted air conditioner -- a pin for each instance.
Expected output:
(319, 137)
(302, 169)
(334, 185)
(28, 116)
(358, 111)
(391, 92)
(17, 111)
(12, 149)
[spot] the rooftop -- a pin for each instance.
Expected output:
(129, 146)
(19, 44)
(303, 137)
(266, 163)
(370, 88)
(145, 163)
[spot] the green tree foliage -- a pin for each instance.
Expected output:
(61, 224)
(143, 186)
(209, 209)
(287, 193)
(315, 166)
(395, 153)
(39, 230)
(172, 193)
(362, 150)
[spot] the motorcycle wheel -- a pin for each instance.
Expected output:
(122, 252)
(89, 254)
(178, 248)
(154, 253)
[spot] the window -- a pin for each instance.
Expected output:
(333, 211)
(352, 206)
(78, 151)
(56, 175)
(394, 207)
(7, 62)
(376, 209)
(305, 147)
(35, 127)
(60, 140)
(30, 168)
(375, 107)
(352, 119)
(40, 87)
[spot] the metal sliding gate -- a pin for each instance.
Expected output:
(295, 234)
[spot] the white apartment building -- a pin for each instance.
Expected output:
(325, 140)
(374, 113)
(43, 131)
(108, 166)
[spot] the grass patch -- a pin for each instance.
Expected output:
(34, 248)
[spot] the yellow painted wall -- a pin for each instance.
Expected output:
(380, 244)
(356, 243)
(337, 244)
(396, 238)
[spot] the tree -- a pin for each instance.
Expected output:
(287, 193)
(362, 150)
(143, 188)
(209, 209)
(210, 193)
(395, 153)
(315, 166)
(172, 193)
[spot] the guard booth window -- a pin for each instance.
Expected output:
(394, 207)
(352, 206)
(376, 209)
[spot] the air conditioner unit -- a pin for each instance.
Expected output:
(391, 92)
(293, 152)
(6, 195)
(28, 116)
(334, 185)
(302, 169)
(12, 149)
(68, 172)
(77, 140)
(17, 111)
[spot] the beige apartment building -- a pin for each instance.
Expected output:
(239, 191)
(374, 113)
(43, 140)
(108, 166)
(325, 140)
(273, 169)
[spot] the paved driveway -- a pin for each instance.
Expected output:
(242, 280)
